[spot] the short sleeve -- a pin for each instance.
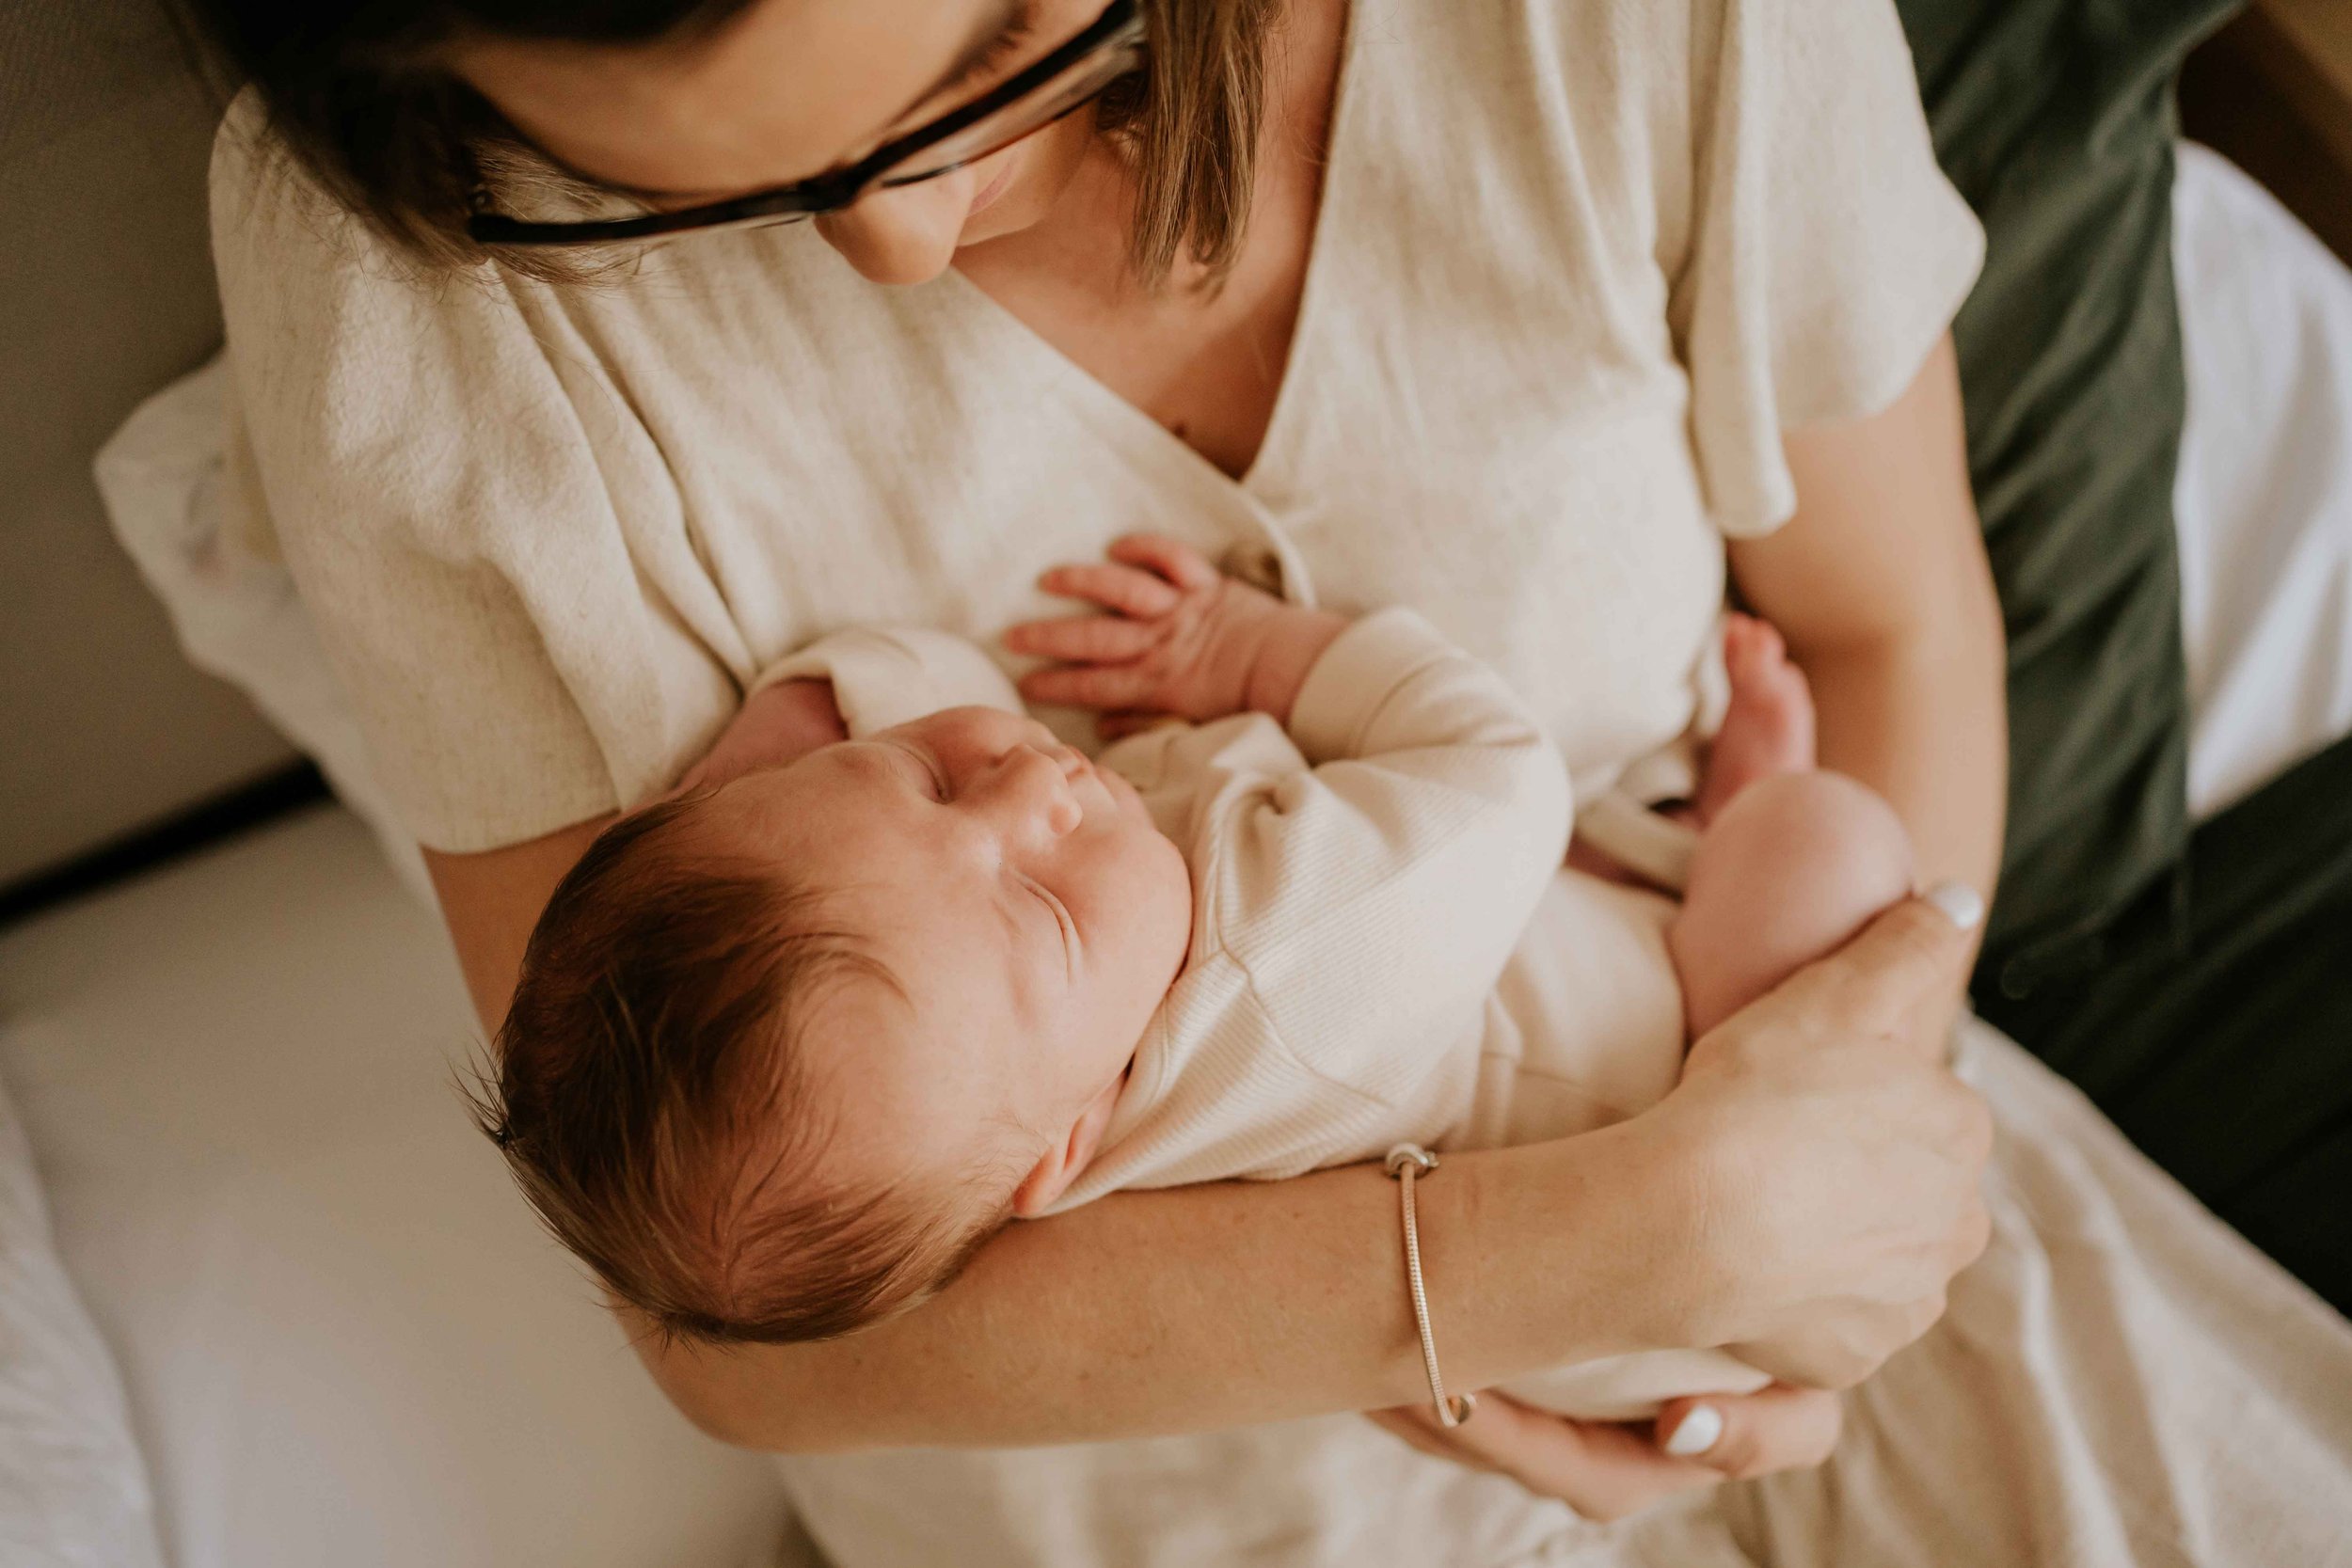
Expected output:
(1826, 254)
(485, 579)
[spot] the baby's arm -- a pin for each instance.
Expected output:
(1374, 897)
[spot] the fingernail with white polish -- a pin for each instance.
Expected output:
(1698, 1433)
(1962, 905)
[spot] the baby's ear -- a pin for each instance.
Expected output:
(1066, 1158)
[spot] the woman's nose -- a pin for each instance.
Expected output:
(908, 235)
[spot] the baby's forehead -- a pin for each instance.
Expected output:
(847, 823)
(808, 804)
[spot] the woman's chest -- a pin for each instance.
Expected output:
(1205, 364)
(1535, 499)
(1464, 396)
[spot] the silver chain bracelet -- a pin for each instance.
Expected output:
(1404, 1165)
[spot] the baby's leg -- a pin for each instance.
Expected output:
(1767, 730)
(1790, 869)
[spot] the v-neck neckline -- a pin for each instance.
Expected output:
(1272, 445)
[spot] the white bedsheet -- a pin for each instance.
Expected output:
(347, 1343)
(73, 1489)
(2265, 497)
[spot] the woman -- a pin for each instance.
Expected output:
(1527, 313)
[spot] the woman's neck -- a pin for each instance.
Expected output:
(1205, 362)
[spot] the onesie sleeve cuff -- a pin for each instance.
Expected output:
(1355, 678)
(883, 678)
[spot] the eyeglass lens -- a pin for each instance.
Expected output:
(1082, 81)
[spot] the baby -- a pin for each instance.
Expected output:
(896, 966)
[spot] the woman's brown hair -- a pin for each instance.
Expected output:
(358, 92)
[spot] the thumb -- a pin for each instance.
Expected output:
(1779, 1428)
(1875, 981)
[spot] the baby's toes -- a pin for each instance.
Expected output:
(1750, 648)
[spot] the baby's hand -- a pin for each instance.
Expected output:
(1180, 638)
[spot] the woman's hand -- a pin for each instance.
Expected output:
(1606, 1470)
(1835, 1159)
(1834, 1165)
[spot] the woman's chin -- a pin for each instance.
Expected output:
(903, 236)
(898, 262)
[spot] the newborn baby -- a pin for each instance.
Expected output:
(897, 966)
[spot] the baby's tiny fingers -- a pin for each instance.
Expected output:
(1083, 639)
(1124, 589)
(1174, 559)
(1094, 685)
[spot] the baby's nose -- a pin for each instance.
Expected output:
(1040, 780)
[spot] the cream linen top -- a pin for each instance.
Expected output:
(1579, 263)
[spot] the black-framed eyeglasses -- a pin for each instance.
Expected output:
(1026, 102)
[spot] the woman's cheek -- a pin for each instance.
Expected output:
(903, 236)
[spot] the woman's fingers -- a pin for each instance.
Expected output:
(1084, 638)
(1779, 1428)
(1876, 983)
(1605, 1470)
(1094, 685)
(1601, 1469)
(1172, 558)
(1126, 589)
(1416, 1429)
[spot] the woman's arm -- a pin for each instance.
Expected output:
(490, 901)
(1159, 1312)
(1809, 1194)
(1881, 586)
(1230, 1304)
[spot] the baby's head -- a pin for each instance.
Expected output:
(783, 1053)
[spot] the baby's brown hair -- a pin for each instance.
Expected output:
(657, 1106)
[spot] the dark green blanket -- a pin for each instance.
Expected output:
(2054, 118)
(2197, 985)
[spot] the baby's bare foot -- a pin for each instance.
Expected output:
(1769, 727)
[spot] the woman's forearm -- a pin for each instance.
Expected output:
(1233, 1303)
(1881, 586)
(1923, 722)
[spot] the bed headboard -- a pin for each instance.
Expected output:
(105, 295)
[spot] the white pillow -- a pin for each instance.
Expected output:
(73, 1488)
(188, 509)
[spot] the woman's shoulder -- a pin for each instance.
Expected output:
(286, 248)
(254, 174)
